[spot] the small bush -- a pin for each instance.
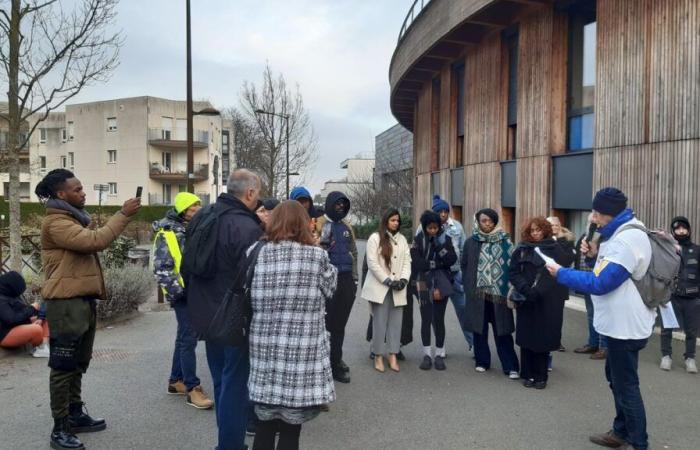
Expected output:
(127, 287)
(365, 231)
(117, 254)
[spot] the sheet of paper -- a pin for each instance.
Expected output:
(547, 259)
(668, 317)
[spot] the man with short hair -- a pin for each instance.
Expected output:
(623, 255)
(237, 228)
(338, 239)
(685, 299)
(74, 282)
(168, 245)
(455, 231)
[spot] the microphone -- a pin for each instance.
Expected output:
(593, 235)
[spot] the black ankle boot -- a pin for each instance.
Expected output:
(62, 438)
(81, 422)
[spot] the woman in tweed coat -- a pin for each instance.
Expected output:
(290, 372)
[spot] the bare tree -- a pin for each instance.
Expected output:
(394, 190)
(49, 53)
(273, 96)
(249, 146)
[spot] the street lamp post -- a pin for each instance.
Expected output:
(190, 112)
(286, 126)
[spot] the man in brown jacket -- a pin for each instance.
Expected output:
(73, 283)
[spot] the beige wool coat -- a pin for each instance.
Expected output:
(400, 268)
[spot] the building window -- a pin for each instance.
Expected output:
(111, 156)
(167, 194)
(582, 80)
(42, 164)
(64, 163)
(42, 135)
(111, 124)
(435, 125)
(511, 38)
(63, 135)
(71, 160)
(112, 188)
(458, 77)
(71, 129)
(224, 142)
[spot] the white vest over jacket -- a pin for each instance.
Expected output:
(374, 290)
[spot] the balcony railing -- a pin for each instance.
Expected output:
(177, 173)
(177, 137)
(158, 199)
(416, 9)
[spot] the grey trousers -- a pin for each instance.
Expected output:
(386, 326)
(687, 312)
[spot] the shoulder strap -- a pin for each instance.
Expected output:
(252, 260)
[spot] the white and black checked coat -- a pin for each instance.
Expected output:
(289, 347)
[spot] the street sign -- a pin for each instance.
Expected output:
(101, 187)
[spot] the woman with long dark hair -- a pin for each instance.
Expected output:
(389, 264)
(540, 314)
(290, 369)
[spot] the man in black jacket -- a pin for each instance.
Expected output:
(686, 298)
(238, 228)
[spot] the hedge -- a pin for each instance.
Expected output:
(366, 230)
(147, 213)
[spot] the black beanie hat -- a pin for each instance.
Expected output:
(429, 217)
(270, 203)
(610, 201)
(12, 284)
(490, 213)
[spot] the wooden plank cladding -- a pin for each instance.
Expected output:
(533, 188)
(648, 71)
(482, 189)
(660, 179)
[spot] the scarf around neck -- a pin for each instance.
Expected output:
(80, 215)
(494, 257)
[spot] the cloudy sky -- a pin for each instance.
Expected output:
(338, 51)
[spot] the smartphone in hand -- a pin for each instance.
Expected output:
(139, 191)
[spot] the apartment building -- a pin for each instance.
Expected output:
(130, 142)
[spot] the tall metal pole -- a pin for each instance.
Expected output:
(286, 118)
(190, 126)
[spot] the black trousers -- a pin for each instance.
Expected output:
(432, 314)
(265, 435)
(338, 312)
(533, 365)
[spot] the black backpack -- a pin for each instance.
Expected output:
(199, 256)
(231, 322)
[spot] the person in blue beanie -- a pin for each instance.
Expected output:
(303, 196)
(622, 255)
(455, 231)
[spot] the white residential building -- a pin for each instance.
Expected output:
(130, 142)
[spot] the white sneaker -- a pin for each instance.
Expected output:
(480, 369)
(690, 366)
(41, 351)
(513, 375)
(665, 363)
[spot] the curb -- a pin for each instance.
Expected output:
(577, 303)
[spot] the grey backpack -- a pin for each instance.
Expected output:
(659, 281)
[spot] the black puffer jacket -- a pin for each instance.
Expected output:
(689, 274)
(540, 317)
(13, 311)
(237, 230)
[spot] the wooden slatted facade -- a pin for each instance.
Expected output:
(646, 103)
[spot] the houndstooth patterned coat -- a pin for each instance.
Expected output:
(289, 347)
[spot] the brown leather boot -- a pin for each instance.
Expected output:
(197, 398)
(600, 354)
(177, 388)
(609, 439)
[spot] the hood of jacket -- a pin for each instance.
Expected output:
(680, 220)
(300, 192)
(171, 221)
(331, 200)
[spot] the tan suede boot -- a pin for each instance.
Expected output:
(197, 398)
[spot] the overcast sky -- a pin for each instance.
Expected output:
(338, 51)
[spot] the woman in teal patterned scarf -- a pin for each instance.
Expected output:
(485, 260)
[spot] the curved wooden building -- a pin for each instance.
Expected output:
(529, 106)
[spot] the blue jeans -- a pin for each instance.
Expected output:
(504, 345)
(229, 368)
(621, 371)
(184, 359)
(594, 339)
(459, 302)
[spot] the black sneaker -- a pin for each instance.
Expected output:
(341, 376)
(344, 367)
(81, 422)
(529, 383)
(400, 356)
(427, 363)
(540, 384)
(250, 428)
(371, 355)
(62, 438)
(440, 363)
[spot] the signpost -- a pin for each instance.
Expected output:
(100, 188)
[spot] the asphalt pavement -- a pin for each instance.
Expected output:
(413, 409)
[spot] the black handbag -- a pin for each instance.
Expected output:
(231, 322)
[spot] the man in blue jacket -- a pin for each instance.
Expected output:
(623, 254)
